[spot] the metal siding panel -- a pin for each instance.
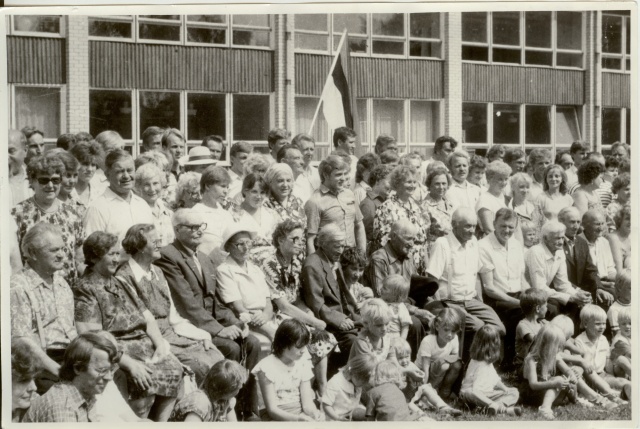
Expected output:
(112, 65)
(35, 60)
(616, 90)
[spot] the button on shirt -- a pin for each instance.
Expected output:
(456, 268)
(602, 257)
(385, 262)
(246, 284)
(463, 195)
(324, 207)
(543, 267)
(63, 403)
(506, 263)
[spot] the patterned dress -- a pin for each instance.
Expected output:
(198, 402)
(114, 305)
(262, 243)
(293, 209)
(66, 217)
(439, 213)
(393, 210)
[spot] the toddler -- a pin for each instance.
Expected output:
(439, 355)
(623, 299)
(353, 262)
(342, 399)
(533, 303)
(482, 385)
(395, 291)
(621, 346)
(529, 233)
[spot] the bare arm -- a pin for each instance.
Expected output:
(485, 218)
(361, 238)
(291, 310)
(492, 291)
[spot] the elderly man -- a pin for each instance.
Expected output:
(334, 204)
(462, 193)
(87, 368)
(291, 155)
(455, 262)
(324, 289)
(35, 142)
(620, 151)
(18, 180)
(238, 154)
(503, 275)
(546, 269)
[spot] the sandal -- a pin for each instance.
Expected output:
(547, 413)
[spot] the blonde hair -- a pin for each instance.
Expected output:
(548, 343)
(591, 312)
(374, 310)
(623, 281)
(565, 324)
(624, 316)
(447, 318)
(362, 367)
(387, 371)
(400, 347)
(394, 289)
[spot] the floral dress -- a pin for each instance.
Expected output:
(293, 209)
(393, 210)
(115, 306)
(439, 213)
(198, 402)
(284, 282)
(66, 217)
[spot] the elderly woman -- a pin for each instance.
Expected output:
(619, 240)
(555, 196)
(68, 192)
(493, 198)
(150, 181)
(401, 205)
(191, 345)
(414, 160)
(154, 375)
(89, 156)
(589, 177)
(279, 179)
(437, 206)
(243, 287)
(162, 161)
(187, 192)
(45, 175)
(520, 203)
(24, 367)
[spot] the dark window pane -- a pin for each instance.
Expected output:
(567, 126)
(250, 117)
(506, 123)
(38, 107)
(538, 29)
(311, 41)
(425, 25)
(511, 56)
(611, 63)
(250, 38)
(628, 64)
(569, 30)
(212, 19)
(362, 129)
(628, 35)
(206, 35)
(424, 49)
(387, 24)
(356, 44)
(506, 28)
(102, 28)
(538, 58)
(474, 27)
(611, 125)
(252, 20)
(474, 122)
(569, 60)
(538, 124)
(160, 32)
(160, 109)
(353, 22)
(205, 115)
(166, 17)
(37, 23)
(475, 53)
(388, 48)
(628, 127)
(110, 110)
(311, 21)
(612, 34)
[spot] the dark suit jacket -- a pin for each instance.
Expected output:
(194, 295)
(327, 297)
(581, 269)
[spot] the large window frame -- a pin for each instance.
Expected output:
(625, 52)
(521, 45)
(625, 126)
(13, 31)
(62, 105)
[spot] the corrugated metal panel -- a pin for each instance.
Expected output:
(374, 77)
(510, 84)
(151, 66)
(36, 60)
(616, 90)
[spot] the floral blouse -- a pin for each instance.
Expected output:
(284, 282)
(294, 209)
(439, 213)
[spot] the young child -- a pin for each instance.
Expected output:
(482, 385)
(341, 401)
(621, 346)
(386, 402)
(284, 377)
(353, 263)
(623, 299)
(439, 355)
(533, 303)
(596, 352)
(216, 399)
(395, 291)
(373, 338)
(529, 233)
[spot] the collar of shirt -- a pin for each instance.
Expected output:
(308, 170)
(374, 195)
(35, 280)
(496, 244)
(110, 195)
(463, 185)
(391, 254)
(364, 185)
(139, 273)
(74, 399)
(246, 270)
(455, 244)
(551, 255)
(588, 242)
(570, 240)
(325, 190)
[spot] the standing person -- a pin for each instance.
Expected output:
(152, 139)
(539, 160)
(493, 199)
(555, 196)
(187, 191)
(496, 153)
(238, 154)
(291, 155)
(18, 179)
(173, 145)
(385, 142)
(277, 138)
(345, 139)
(620, 239)
(522, 205)
(620, 151)
(279, 180)
(621, 188)
(414, 160)
(443, 147)
(334, 204)
(516, 159)
(198, 160)
(149, 183)
(437, 205)
(461, 193)
(365, 165)
(67, 192)
(589, 177)
(89, 156)
(215, 144)
(35, 142)
(379, 182)
(310, 178)
(565, 160)
(578, 151)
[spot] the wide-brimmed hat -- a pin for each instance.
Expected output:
(199, 155)
(233, 229)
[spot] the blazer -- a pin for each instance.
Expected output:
(325, 294)
(581, 270)
(194, 294)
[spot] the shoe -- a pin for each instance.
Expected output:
(252, 418)
(603, 402)
(572, 395)
(453, 412)
(514, 411)
(616, 399)
(583, 402)
(547, 413)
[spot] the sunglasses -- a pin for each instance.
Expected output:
(45, 180)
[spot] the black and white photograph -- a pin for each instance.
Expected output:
(318, 213)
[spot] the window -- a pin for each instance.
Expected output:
(363, 114)
(37, 25)
(165, 28)
(39, 107)
(387, 33)
(388, 118)
(506, 123)
(537, 125)
(424, 37)
(117, 27)
(529, 38)
(206, 115)
(110, 110)
(474, 123)
(312, 32)
(567, 125)
(616, 42)
(305, 109)
(161, 109)
(611, 126)
(250, 117)
(425, 117)
(356, 26)
(207, 29)
(251, 30)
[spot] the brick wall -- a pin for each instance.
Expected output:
(77, 73)
(453, 75)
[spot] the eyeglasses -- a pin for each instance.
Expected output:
(243, 245)
(195, 228)
(107, 371)
(45, 180)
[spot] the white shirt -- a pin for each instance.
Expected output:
(597, 352)
(456, 267)
(602, 257)
(342, 395)
(246, 284)
(543, 267)
(301, 188)
(217, 221)
(463, 195)
(235, 185)
(352, 173)
(506, 263)
(310, 177)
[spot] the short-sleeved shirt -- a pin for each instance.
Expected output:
(217, 220)
(596, 351)
(342, 395)
(198, 402)
(286, 379)
(524, 328)
(246, 284)
(620, 346)
(387, 404)
(63, 403)
(481, 377)
(324, 207)
(362, 346)
(490, 202)
(162, 221)
(614, 310)
(506, 263)
(430, 349)
(400, 318)
(385, 262)
(463, 195)
(543, 267)
(456, 267)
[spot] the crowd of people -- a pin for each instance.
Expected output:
(388, 287)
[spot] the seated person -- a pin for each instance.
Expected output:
(353, 263)
(24, 367)
(533, 303)
(621, 346)
(341, 402)
(622, 302)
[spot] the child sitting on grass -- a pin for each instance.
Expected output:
(621, 346)
(482, 385)
(395, 291)
(533, 303)
(353, 263)
(341, 401)
(623, 299)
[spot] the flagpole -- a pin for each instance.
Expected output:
(333, 66)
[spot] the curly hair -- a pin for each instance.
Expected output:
(96, 246)
(620, 182)
(438, 172)
(45, 165)
(624, 213)
(400, 174)
(283, 229)
(379, 172)
(366, 163)
(24, 363)
(563, 186)
(88, 153)
(589, 171)
(497, 169)
(352, 257)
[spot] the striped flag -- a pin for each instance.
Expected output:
(338, 102)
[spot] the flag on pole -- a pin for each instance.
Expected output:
(337, 102)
